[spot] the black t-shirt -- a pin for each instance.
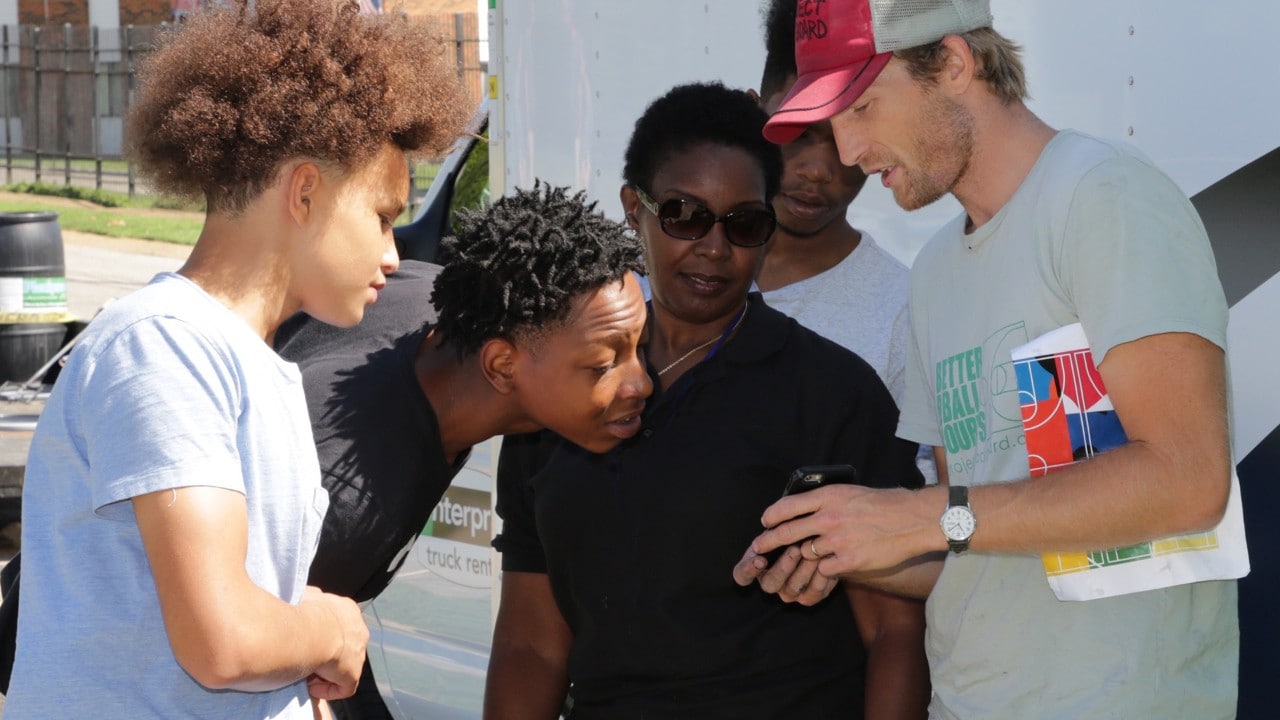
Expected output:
(378, 438)
(640, 542)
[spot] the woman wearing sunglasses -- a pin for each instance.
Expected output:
(617, 586)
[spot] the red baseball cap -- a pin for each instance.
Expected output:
(842, 45)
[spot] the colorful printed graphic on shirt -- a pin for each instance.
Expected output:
(977, 402)
(1069, 417)
(1065, 410)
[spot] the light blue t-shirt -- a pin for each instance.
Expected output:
(166, 388)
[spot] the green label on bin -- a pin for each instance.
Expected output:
(44, 292)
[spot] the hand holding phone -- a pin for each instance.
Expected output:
(810, 477)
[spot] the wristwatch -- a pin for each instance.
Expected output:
(958, 521)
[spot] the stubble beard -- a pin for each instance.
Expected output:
(947, 144)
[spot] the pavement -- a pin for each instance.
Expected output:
(101, 268)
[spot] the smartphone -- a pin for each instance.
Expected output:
(810, 477)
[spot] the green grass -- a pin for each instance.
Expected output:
(120, 216)
(54, 163)
(106, 198)
(114, 222)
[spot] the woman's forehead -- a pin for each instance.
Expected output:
(709, 167)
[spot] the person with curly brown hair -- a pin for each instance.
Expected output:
(173, 499)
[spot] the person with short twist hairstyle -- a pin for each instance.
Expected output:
(515, 268)
(533, 322)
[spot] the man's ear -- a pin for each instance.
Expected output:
(755, 96)
(498, 358)
(301, 184)
(959, 67)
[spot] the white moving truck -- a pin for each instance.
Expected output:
(1193, 84)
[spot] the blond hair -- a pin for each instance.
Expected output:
(996, 59)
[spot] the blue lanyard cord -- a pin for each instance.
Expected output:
(724, 336)
(686, 386)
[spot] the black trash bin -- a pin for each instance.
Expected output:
(33, 292)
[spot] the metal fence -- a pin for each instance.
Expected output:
(65, 90)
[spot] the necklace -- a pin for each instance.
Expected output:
(721, 336)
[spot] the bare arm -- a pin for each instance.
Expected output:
(528, 665)
(225, 631)
(1173, 476)
(892, 631)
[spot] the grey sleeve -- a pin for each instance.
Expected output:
(1135, 259)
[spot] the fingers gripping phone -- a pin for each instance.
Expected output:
(810, 477)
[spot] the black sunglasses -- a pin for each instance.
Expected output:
(688, 220)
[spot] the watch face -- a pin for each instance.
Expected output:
(958, 523)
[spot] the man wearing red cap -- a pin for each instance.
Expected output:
(1058, 228)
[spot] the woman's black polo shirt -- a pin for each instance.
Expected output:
(640, 542)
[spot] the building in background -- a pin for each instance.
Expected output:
(66, 74)
(102, 13)
(119, 13)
